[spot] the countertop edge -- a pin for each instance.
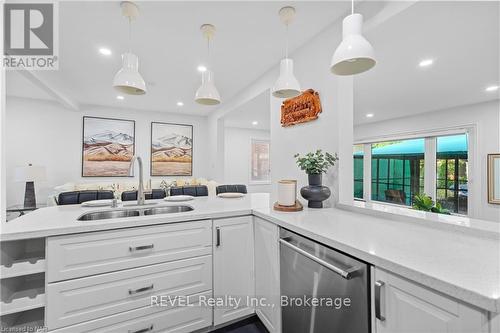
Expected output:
(432, 223)
(121, 223)
(460, 293)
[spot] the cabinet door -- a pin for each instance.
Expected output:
(233, 267)
(267, 274)
(408, 307)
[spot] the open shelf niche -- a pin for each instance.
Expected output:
(22, 257)
(22, 293)
(22, 279)
(26, 321)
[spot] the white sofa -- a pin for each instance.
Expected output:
(128, 185)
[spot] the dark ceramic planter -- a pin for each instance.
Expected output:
(315, 193)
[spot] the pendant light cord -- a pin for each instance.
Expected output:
(208, 52)
(286, 42)
(352, 7)
(129, 34)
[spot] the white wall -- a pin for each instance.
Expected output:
(311, 65)
(45, 133)
(237, 157)
(486, 118)
(312, 62)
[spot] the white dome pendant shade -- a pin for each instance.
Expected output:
(128, 80)
(287, 85)
(207, 93)
(355, 54)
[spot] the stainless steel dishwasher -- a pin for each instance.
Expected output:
(311, 271)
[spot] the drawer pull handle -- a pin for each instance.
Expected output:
(378, 291)
(140, 290)
(217, 238)
(141, 248)
(142, 330)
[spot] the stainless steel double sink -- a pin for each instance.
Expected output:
(119, 213)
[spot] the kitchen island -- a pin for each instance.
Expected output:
(456, 265)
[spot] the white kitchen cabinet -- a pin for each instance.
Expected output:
(267, 274)
(405, 306)
(233, 259)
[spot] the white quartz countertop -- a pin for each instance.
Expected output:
(464, 266)
(60, 220)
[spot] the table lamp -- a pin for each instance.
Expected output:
(30, 174)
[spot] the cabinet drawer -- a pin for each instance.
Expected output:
(74, 256)
(150, 319)
(89, 298)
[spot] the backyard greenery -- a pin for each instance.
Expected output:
(425, 203)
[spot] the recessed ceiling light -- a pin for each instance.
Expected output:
(426, 62)
(255, 123)
(202, 68)
(369, 115)
(491, 88)
(180, 104)
(120, 97)
(105, 51)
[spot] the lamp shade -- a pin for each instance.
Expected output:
(287, 84)
(128, 80)
(207, 93)
(355, 54)
(30, 173)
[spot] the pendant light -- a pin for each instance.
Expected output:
(355, 54)
(287, 85)
(207, 93)
(128, 80)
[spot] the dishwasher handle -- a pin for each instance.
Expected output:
(346, 274)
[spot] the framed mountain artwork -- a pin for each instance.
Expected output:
(171, 149)
(108, 147)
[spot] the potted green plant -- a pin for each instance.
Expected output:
(425, 203)
(315, 164)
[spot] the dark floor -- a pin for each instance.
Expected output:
(249, 325)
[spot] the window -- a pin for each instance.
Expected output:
(397, 170)
(358, 171)
(260, 161)
(451, 172)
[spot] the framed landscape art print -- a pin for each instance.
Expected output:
(108, 147)
(171, 149)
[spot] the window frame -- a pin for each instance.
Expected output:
(258, 182)
(430, 160)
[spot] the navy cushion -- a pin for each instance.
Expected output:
(195, 191)
(68, 198)
(176, 191)
(231, 188)
(201, 191)
(132, 195)
(78, 197)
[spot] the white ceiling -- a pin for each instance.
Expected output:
(462, 37)
(166, 37)
(257, 109)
